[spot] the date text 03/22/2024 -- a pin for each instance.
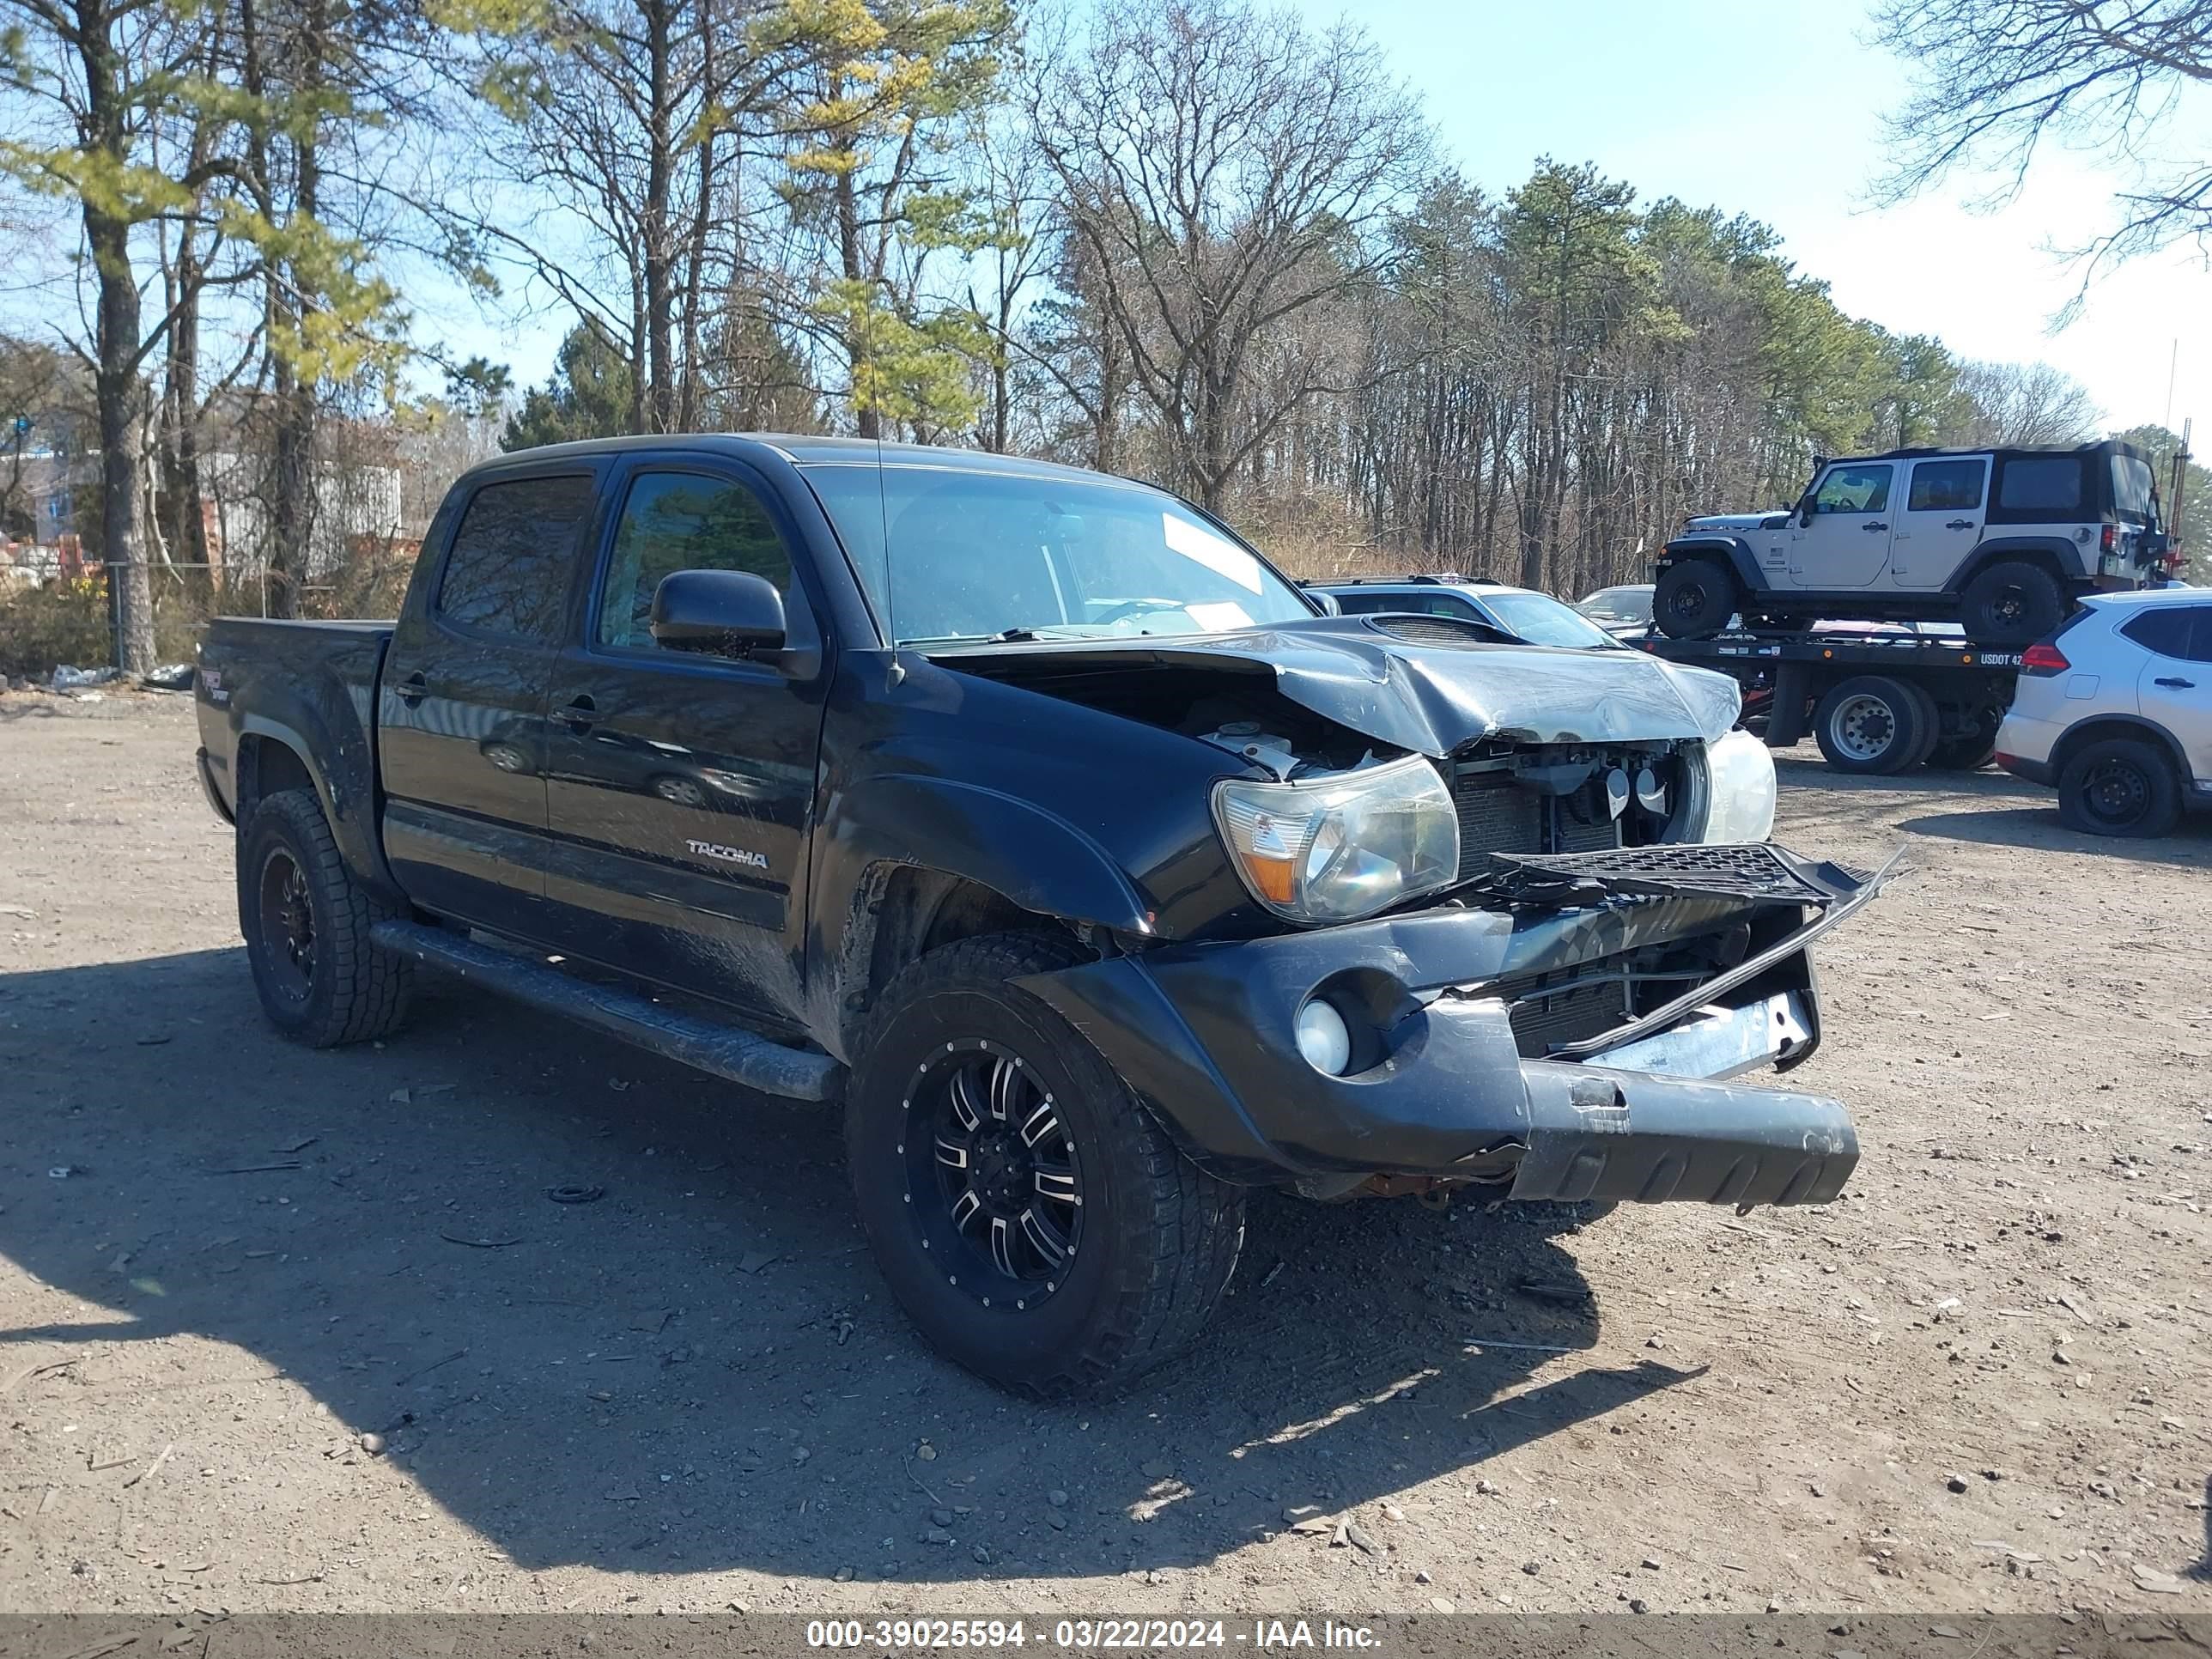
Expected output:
(1087, 1635)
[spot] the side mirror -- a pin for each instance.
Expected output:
(724, 613)
(1327, 603)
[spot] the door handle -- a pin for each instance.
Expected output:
(1877, 524)
(1960, 524)
(412, 689)
(2179, 685)
(581, 713)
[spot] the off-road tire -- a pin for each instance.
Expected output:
(2119, 786)
(1159, 1236)
(352, 991)
(2012, 603)
(1694, 599)
(1871, 725)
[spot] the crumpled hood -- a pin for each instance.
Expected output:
(1740, 521)
(1430, 698)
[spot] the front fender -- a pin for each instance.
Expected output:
(1038, 861)
(1733, 550)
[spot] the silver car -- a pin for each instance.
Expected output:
(2115, 710)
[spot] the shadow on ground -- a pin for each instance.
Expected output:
(2037, 826)
(700, 1370)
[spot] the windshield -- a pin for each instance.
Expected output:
(947, 554)
(1542, 620)
(1627, 605)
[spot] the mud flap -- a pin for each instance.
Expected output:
(1628, 1137)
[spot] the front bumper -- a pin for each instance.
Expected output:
(1204, 1033)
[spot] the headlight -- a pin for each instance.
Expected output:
(1339, 847)
(1740, 789)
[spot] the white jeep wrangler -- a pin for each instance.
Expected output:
(2002, 541)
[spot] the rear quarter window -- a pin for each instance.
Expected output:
(2166, 630)
(512, 553)
(2041, 486)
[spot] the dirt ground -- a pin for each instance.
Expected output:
(1980, 1381)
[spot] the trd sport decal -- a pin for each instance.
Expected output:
(729, 854)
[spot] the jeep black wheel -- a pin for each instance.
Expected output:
(305, 921)
(1029, 1214)
(1693, 600)
(2119, 786)
(2013, 603)
(1872, 724)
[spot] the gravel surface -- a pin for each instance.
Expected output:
(288, 1330)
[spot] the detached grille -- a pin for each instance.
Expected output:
(1755, 871)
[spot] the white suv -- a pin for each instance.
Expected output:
(2116, 710)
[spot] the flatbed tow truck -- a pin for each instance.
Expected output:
(1877, 699)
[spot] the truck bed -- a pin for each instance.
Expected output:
(307, 686)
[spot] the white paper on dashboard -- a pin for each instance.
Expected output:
(1223, 558)
(1219, 618)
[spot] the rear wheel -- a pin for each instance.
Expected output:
(305, 921)
(1872, 724)
(1031, 1217)
(1931, 721)
(2119, 786)
(2012, 603)
(1693, 600)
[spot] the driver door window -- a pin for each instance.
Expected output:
(681, 521)
(1846, 545)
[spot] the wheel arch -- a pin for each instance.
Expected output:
(2052, 553)
(1732, 553)
(2099, 727)
(275, 755)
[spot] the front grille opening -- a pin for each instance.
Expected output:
(1500, 811)
(1594, 997)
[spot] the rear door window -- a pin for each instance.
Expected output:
(513, 552)
(1947, 487)
(2133, 489)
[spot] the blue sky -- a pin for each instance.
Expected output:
(1773, 109)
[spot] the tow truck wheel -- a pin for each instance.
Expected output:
(2119, 786)
(1031, 1215)
(1872, 724)
(1968, 754)
(305, 921)
(1693, 600)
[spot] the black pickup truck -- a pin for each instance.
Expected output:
(1100, 873)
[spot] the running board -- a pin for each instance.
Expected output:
(726, 1051)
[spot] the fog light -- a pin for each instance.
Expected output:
(1323, 1038)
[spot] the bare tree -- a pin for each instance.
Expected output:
(2025, 403)
(1993, 78)
(1226, 169)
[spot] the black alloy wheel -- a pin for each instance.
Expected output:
(996, 1173)
(288, 922)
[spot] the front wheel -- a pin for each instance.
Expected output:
(1029, 1214)
(2119, 786)
(1693, 600)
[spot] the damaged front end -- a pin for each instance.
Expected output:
(1526, 925)
(1561, 1028)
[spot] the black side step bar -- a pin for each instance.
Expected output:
(726, 1051)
